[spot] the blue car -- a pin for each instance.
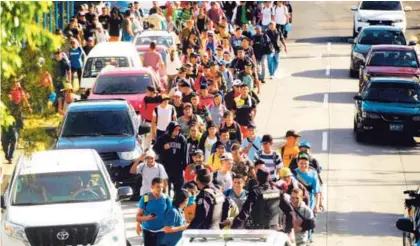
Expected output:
(388, 105)
(112, 128)
(374, 35)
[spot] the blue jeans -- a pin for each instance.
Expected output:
(273, 62)
(261, 67)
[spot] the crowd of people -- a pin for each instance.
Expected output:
(206, 166)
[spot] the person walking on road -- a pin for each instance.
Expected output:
(161, 117)
(304, 219)
(172, 151)
(224, 176)
(271, 159)
(263, 47)
(191, 170)
(238, 194)
(246, 109)
(252, 143)
(290, 149)
(277, 40)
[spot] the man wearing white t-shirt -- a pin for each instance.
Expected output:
(162, 115)
(267, 15)
(281, 16)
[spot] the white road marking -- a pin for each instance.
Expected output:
(327, 71)
(325, 102)
(316, 57)
(324, 141)
(329, 46)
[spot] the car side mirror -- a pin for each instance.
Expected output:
(143, 130)
(2, 204)
(412, 43)
(353, 8)
(405, 224)
(124, 193)
(358, 97)
(408, 8)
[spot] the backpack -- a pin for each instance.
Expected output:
(172, 112)
(146, 200)
(158, 166)
(235, 125)
(253, 145)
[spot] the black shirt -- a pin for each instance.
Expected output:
(115, 26)
(275, 38)
(257, 45)
(89, 17)
(179, 110)
(239, 64)
(243, 112)
(104, 20)
(186, 98)
(87, 49)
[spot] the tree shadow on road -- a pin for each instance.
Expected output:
(333, 97)
(321, 40)
(342, 141)
(321, 74)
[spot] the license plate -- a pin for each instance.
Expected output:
(396, 127)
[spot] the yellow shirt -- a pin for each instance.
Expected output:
(288, 154)
(214, 162)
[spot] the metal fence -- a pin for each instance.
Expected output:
(58, 16)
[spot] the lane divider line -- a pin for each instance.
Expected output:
(327, 71)
(324, 141)
(329, 46)
(325, 102)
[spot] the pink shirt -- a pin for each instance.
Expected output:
(152, 59)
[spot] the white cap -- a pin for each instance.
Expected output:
(226, 156)
(178, 93)
(237, 82)
(150, 153)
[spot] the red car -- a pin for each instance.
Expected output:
(126, 83)
(164, 52)
(390, 61)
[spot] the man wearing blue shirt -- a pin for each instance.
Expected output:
(77, 56)
(151, 213)
(309, 178)
(252, 144)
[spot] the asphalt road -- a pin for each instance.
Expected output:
(314, 95)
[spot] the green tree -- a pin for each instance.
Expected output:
(23, 42)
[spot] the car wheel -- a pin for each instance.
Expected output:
(357, 134)
(128, 243)
(354, 31)
(354, 73)
(407, 239)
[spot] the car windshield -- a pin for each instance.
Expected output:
(63, 187)
(97, 123)
(381, 5)
(94, 65)
(394, 58)
(393, 92)
(160, 40)
(125, 84)
(161, 52)
(375, 37)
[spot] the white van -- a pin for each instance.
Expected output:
(108, 54)
(63, 197)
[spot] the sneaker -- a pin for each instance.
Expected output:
(263, 81)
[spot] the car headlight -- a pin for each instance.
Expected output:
(416, 118)
(362, 19)
(369, 115)
(130, 155)
(398, 20)
(16, 231)
(106, 226)
(358, 56)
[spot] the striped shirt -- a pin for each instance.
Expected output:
(271, 160)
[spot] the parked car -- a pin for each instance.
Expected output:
(63, 197)
(371, 13)
(112, 128)
(168, 39)
(390, 61)
(164, 53)
(126, 83)
(388, 105)
(108, 54)
(374, 35)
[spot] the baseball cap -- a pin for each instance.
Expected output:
(182, 69)
(292, 133)
(151, 88)
(188, 64)
(184, 83)
(285, 172)
(150, 153)
(165, 97)
(305, 144)
(303, 156)
(237, 82)
(251, 125)
(226, 156)
(221, 62)
(267, 139)
(219, 47)
(186, 105)
(198, 152)
(193, 54)
(235, 147)
(219, 144)
(248, 63)
(90, 39)
(211, 124)
(204, 86)
(177, 94)
(258, 27)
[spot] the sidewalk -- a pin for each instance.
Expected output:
(7, 169)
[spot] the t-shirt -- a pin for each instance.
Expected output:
(287, 154)
(239, 200)
(164, 116)
(151, 59)
(208, 145)
(174, 218)
(76, 56)
(266, 16)
(148, 174)
(104, 20)
(255, 147)
(115, 26)
(244, 107)
(309, 180)
(214, 162)
(271, 160)
(224, 179)
(216, 113)
(280, 15)
(158, 206)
